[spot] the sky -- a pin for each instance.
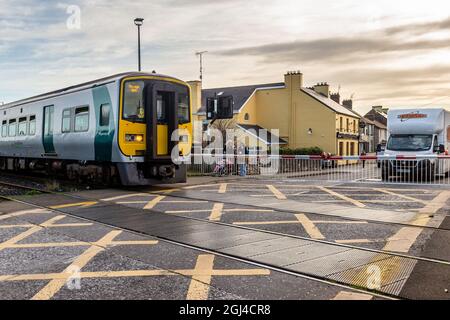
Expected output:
(391, 53)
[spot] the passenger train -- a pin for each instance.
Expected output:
(119, 128)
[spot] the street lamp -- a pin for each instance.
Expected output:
(139, 22)
(200, 54)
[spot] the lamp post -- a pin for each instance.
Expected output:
(200, 54)
(139, 22)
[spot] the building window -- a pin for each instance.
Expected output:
(82, 119)
(247, 117)
(348, 125)
(341, 124)
(66, 121)
(341, 148)
(22, 126)
(354, 126)
(4, 128)
(352, 149)
(32, 126)
(12, 128)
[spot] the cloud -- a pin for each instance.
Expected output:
(335, 49)
(420, 28)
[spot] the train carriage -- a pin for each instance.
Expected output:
(126, 127)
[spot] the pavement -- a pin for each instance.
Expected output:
(268, 239)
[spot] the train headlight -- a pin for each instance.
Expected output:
(134, 137)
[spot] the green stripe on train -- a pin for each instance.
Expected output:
(104, 131)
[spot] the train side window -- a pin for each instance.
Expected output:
(12, 128)
(4, 128)
(105, 110)
(66, 121)
(23, 126)
(32, 126)
(48, 120)
(82, 119)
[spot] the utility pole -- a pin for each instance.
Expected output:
(139, 22)
(200, 54)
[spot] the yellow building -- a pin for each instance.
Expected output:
(305, 117)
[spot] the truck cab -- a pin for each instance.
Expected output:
(416, 138)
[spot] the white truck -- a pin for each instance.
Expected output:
(416, 138)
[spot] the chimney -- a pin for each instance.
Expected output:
(196, 94)
(348, 103)
(293, 80)
(336, 97)
(322, 88)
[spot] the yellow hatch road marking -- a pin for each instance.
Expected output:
(223, 187)
(345, 295)
(403, 239)
(151, 204)
(78, 204)
(203, 272)
(95, 248)
(350, 241)
(278, 194)
(56, 284)
(199, 186)
(198, 288)
(400, 195)
(23, 212)
(309, 226)
(216, 212)
(19, 237)
(12, 226)
(343, 197)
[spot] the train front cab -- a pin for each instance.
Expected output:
(151, 109)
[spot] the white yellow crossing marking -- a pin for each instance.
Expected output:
(277, 193)
(346, 295)
(125, 196)
(78, 204)
(151, 204)
(223, 188)
(216, 212)
(343, 197)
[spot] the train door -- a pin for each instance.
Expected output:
(47, 131)
(163, 120)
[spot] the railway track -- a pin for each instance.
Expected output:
(162, 236)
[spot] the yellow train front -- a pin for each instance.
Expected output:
(154, 129)
(127, 128)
